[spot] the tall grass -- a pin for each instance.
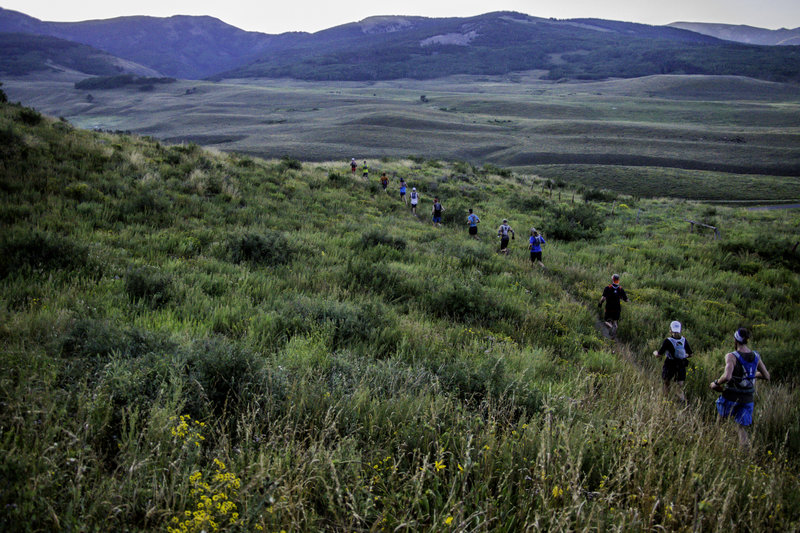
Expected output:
(324, 360)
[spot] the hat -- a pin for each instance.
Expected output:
(675, 326)
(505, 220)
(413, 188)
(615, 276)
(533, 230)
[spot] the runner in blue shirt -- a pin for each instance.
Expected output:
(436, 212)
(535, 244)
(473, 222)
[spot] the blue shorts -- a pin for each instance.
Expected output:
(742, 412)
(437, 219)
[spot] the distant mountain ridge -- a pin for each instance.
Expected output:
(393, 47)
(743, 33)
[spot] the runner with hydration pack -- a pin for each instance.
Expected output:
(535, 245)
(612, 295)
(414, 200)
(365, 170)
(353, 165)
(436, 212)
(403, 191)
(473, 222)
(384, 180)
(677, 351)
(742, 367)
(503, 232)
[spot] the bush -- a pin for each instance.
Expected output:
(526, 202)
(598, 195)
(376, 238)
(227, 374)
(771, 248)
(336, 179)
(149, 285)
(289, 163)
(29, 116)
(39, 250)
(269, 249)
(576, 223)
(489, 168)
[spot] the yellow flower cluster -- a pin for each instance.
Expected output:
(214, 509)
(188, 430)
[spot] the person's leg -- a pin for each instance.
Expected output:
(744, 438)
(681, 395)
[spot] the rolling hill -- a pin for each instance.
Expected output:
(384, 48)
(24, 54)
(743, 33)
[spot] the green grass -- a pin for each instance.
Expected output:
(342, 365)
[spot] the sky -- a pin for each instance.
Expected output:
(314, 15)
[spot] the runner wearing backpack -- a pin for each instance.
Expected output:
(473, 221)
(365, 170)
(535, 245)
(503, 232)
(384, 180)
(677, 351)
(436, 213)
(742, 367)
(353, 165)
(612, 295)
(414, 200)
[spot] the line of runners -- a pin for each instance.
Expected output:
(743, 366)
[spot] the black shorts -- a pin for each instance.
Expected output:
(674, 369)
(473, 230)
(503, 243)
(536, 256)
(612, 314)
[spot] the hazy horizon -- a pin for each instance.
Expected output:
(311, 16)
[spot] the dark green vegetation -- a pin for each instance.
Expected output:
(178, 325)
(388, 48)
(123, 80)
(25, 54)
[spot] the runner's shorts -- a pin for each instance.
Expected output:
(742, 412)
(536, 256)
(674, 369)
(503, 243)
(473, 230)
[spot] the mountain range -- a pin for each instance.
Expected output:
(380, 48)
(743, 33)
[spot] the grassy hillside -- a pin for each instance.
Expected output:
(191, 337)
(613, 132)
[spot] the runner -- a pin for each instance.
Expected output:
(353, 165)
(365, 170)
(403, 191)
(503, 232)
(414, 200)
(742, 367)
(678, 351)
(612, 296)
(384, 180)
(535, 245)
(436, 212)
(473, 222)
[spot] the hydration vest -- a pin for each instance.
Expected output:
(680, 347)
(746, 383)
(504, 230)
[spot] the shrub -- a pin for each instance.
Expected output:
(576, 223)
(289, 163)
(489, 168)
(526, 202)
(149, 285)
(269, 249)
(39, 250)
(336, 179)
(772, 248)
(598, 195)
(29, 116)
(227, 373)
(376, 238)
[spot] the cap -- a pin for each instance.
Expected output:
(413, 188)
(675, 326)
(505, 220)
(534, 230)
(615, 276)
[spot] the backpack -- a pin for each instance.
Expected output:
(748, 380)
(504, 230)
(680, 347)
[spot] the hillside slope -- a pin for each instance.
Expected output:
(383, 48)
(196, 339)
(24, 54)
(743, 33)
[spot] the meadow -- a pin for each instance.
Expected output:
(193, 340)
(709, 130)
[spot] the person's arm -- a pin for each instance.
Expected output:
(688, 349)
(602, 298)
(665, 346)
(730, 362)
(762, 370)
(624, 295)
(513, 235)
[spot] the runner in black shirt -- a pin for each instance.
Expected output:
(612, 296)
(678, 351)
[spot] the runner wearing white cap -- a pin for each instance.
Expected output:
(677, 351)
